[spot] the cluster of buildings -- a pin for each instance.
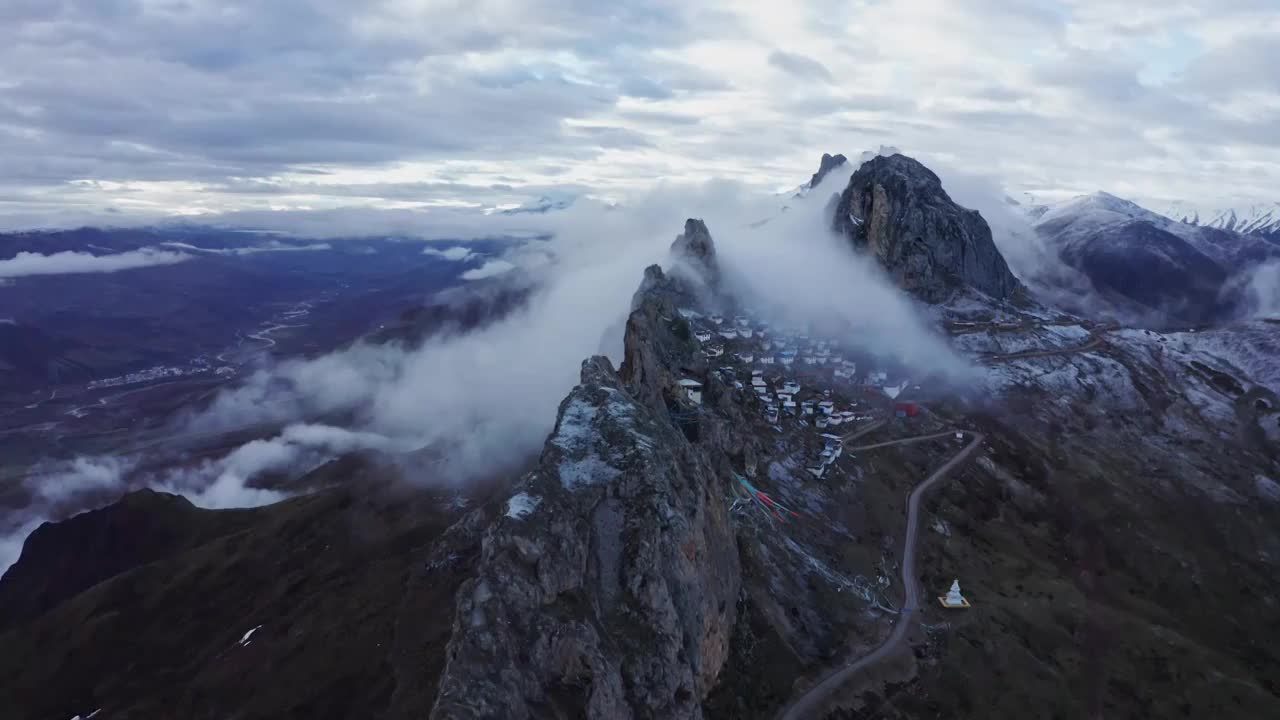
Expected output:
(791, 376)
(756, 343)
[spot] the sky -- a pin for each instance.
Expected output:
(135, 108)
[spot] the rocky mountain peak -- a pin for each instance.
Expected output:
(615, 572)
(829, 162)
(896, 209)
(695, 248)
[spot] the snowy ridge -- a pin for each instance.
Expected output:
(1256, 219)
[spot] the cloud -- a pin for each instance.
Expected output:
(12, 540)
(456, 253)
(26, 264)
(801, 66)
(482, 402)
(83, 475)
(1262, 291)
(251, 250)
(490, 269)
(129, 110)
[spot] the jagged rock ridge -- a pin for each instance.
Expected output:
(826, 165)
(895, 208)
(609, 588)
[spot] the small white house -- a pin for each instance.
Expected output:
(716, 319)
(693, 389)
(728, 333)
(744, 332)
(765, 344)
(835, 419)
(788, 405)
(806, 407)
(713, 351)
(702, 335)
(757, 381)
(746, 357)
(742, 320)
(820, 421)
(786, 359)
(791, 387)
(767, 359)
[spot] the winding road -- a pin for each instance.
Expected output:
(812, 700)
(1094, 342)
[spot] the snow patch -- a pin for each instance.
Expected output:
(522, 504)
(1267, 488)
(248, 637)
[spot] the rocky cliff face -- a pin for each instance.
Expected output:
(827, 164)
(609, 587)
(694, 249)
(896, 209)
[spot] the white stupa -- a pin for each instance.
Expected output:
(953, 598)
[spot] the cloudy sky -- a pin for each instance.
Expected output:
(138, 107)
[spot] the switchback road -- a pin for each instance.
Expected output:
(812, 700)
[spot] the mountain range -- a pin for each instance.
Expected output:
(1151, 269)
(707, 533)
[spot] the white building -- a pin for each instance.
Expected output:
(702, 335)
(716, 319)
(791, 387)
(820, 421)
(728, 333)
(746, 357)
(826, 407)
(713, 351)
(767, 360)
(693, 389)
(806, 407)
(744, 332)
(742, 320)
(786, 359)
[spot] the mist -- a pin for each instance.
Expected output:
(26, 264)
(471, 405)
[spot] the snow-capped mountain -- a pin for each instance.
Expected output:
(1257, 219)
(544, 204)
(1174, 269)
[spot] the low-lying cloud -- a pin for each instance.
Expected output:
(490, 269)
(274, 247)
(481, 403)
(1262, 291)
(456, 253)
(26, 264)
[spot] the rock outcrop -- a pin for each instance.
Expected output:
(609, 587)
(695, 249)
(895, 208)
(827, 164)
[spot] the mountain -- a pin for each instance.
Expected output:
(1261, 219)
(688, 546)
(895, 208)
(1171, 271)
(543, 205)
(825, 165)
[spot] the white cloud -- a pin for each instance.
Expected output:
(26, 264)
(456, 253)
(339, 104)
(251, 250)
(484, 401)
(490, 269)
